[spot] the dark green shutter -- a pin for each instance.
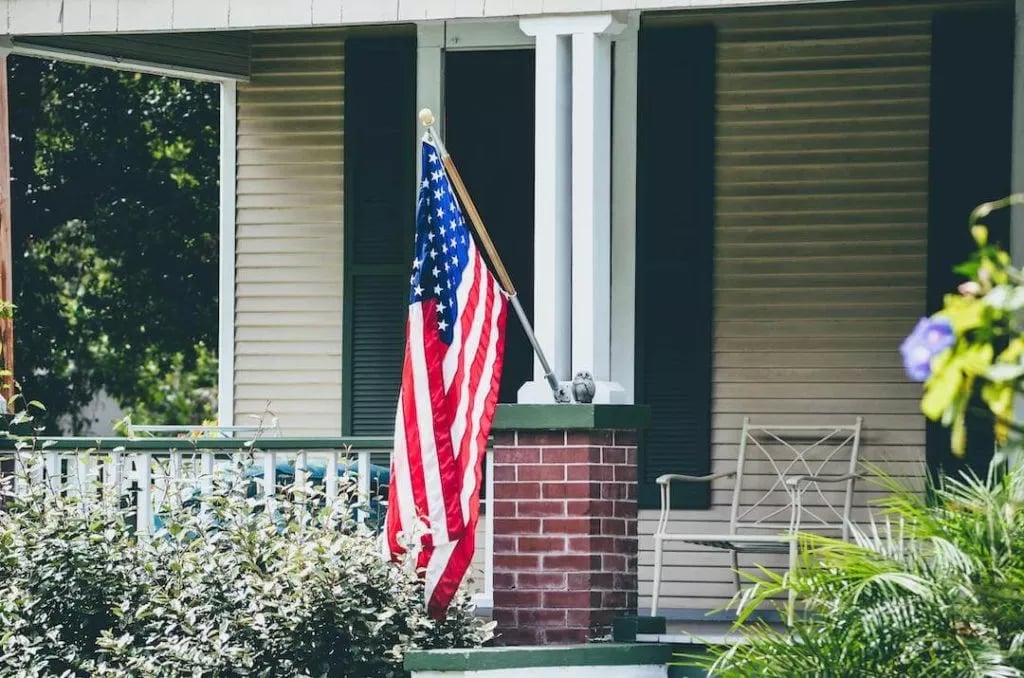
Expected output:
(380, 182)
(969, 163)
(675, 223)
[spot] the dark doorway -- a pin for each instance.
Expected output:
(969, 163)
(489, 132)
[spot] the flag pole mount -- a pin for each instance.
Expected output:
(558, 390)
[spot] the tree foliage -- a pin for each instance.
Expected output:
(114, 203)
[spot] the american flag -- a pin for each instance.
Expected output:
(455, 338)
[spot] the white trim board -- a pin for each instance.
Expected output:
(226, 261)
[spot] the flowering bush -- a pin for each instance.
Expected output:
(238, 588)
(937, 588)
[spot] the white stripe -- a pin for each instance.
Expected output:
(401, 481)
(436, 567)
(451, 358)
(469, 352)
(469, 488)
(425, 426)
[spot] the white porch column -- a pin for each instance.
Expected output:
(623, 294)
(226, 284)
(552, 304)
(572, 284)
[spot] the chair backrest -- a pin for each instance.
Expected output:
(771, 454)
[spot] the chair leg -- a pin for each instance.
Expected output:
(736, 568)
(791, 596)
(659, 554)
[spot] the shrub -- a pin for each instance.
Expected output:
(235, 588)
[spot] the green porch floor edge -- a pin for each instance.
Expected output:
(494, 658)
(571, 417)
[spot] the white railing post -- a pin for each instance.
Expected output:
(331, 476)
(363, 480)
(113, 477)
(269, 476)
(53, 471)
(144, 505)
(175, 485)
(489, 527)
(301, 470)
(206, 473)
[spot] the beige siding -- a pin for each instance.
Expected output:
(820, 256)
(289, 232)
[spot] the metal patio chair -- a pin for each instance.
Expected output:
(777, 466)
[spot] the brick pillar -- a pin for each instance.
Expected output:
(565, 533)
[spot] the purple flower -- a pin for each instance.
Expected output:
(930, 337)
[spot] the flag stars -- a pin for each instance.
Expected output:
(433, 158)
(416, 263)
(433, 254)
(442, 325)
(418, 291)
(437, 289)
(425, 184)
(437, 194)
(435, 271)
(440, 213)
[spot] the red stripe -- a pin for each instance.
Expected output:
(434, 350)
(412, 440)
(466, 316)
(456, 569)
(476, 371)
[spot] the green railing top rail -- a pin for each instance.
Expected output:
(82, 444)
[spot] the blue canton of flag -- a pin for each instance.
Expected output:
(442, 244)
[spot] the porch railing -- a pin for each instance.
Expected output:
(148, 471)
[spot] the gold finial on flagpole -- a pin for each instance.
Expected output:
(427, 117)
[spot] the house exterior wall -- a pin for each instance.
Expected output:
(820, 258)
(288, 278)
(103, 16)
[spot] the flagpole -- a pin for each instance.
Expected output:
(560, 392)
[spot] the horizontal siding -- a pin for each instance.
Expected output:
(820, 256)
(289, 232)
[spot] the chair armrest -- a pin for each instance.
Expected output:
(669, 477)
(794, 480)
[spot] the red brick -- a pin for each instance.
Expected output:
(566, 636)
(588, 507)
(603, 618)
(590, 472)
(570, 490)
(613, 599)
(631, 528)
(571, 563)
(542, 509)
(541, 544)
(625, 473)
(541, 438)
(504, 508)
(504, 438)
(613, 563)
(613, 526)
(542, 617)
(625, 508)
(578, 618)
(504, 473)
(589, 437)
(570, 525)
(631, 491)
(578, 581)
(627, 438)
(571, 455)
(613, 491)
(613, 455)
(505, 616)
(625, 546)
(540, 472)
(504, 544)
(516, 455)
(572, 599)
(515, 563)
(504, 580)
(517, 598)
(520, 636)
(631, 456)
(541, 580)
(517, 525)
(602, 581)
(625, 581)
(595, 544)
(517, 490)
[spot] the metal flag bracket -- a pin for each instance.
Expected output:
(560, 391)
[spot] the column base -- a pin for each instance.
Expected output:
(539, 393)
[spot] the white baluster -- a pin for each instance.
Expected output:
(113, 477)
(489, 527)
(53, 472)
(144, 476)
(331, 476)
(269, 476)
(363, 480)
(206, 469)
(301, 470)
(177, 486)
(83, 472)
